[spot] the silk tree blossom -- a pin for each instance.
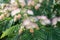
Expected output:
(0, 17)
(12, 1)
(30, 12)
(17, 17)
(33, 19)
(16, 11)
(54, 21)
(8, 7)
(22, 3)
(29, 2)
(37, 6)
(40, 1)
(32, 3)
(42, 17)
(32, 25)
(28, 24)
(44, 20)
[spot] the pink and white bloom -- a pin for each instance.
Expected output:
(22, 3)
(30, 12)
(26, 22)
(12, 1)
(40, 1)
(14, 12)
(54, 21)
(37, 6)
(45, 22)
(41, 17)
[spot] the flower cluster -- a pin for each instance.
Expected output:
(29, 22)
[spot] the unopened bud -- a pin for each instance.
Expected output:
(31, 30)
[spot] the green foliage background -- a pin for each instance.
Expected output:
(9, 30)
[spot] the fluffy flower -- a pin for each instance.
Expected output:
(26, 22)
(14, 12)
(12, 1)
(30, 12)
(33, 19)
(17, 17)
(41, 17)
(29, 2)
(45, 22)
(40, 1)
(22, 3)
(37, 6)
(54, 21)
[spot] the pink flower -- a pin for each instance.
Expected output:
(30, 12)
(26, 22)
(14, 12)
(37, 6)
(54, 21)
(41, 17)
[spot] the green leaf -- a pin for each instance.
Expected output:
(8, 31)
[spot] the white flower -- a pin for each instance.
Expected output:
(30, 12)
(14, 12)
(40, 1)
(12, 1)
(31, 25)
(45, 22)
(21, 1)
(42, 17)
(33, 19)
(26, 22)
(38, 17)
(42, 22)
(29, 2)
(54, 21)
(37, 6)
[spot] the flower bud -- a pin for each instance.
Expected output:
(32, 3)
(31, 30)
(0, 18)
(15, 18)
(2, 15)
(37, 6)
(18, 16)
